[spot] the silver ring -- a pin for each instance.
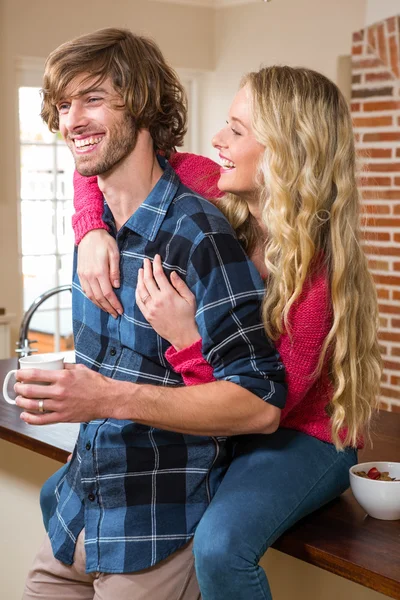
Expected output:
(145, 298)
(41, 406)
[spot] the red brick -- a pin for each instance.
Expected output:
(396, 209)
(390, 309)
(382, 294)
(376, 236)
(382, 251)
(383, 136)
(397, 181)
(395, 351)
(375, 181)
(394, 55)
(389, 336)
(389, 105)
(378, 76)
(396, 267)
(391, 24)
(381, 194)
(371, 37)
(357, 49)
(385, 121)
(390, 393)
(383, 322)
(383, 167)
(392, 366)
(372, 92)
(382, 42)
(378, 265)
(376, 152)
(396, 295)
(373, 209)
(355, 107)
(384, 378)
(395, 408)
(356, 78)
(358, 36)
(367, 63)
(372, 222)
(396, 323)
(383, 405)
(394, 380)
(387, 280)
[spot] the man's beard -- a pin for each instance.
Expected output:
(121, 142)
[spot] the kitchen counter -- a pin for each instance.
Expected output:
(339, 537)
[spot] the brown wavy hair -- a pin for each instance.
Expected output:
(311, 209)
(150, 89)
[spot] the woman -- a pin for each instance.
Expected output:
(288, 174)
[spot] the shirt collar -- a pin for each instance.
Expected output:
(147, 219)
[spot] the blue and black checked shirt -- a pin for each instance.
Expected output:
(139, 491)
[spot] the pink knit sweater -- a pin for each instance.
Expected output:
(310, 316)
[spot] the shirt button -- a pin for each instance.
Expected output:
(88, 446)
(113, 352)
(91, 497)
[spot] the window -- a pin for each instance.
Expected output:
(46, 169)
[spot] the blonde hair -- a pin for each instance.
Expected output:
(150, 89)
(311, 207)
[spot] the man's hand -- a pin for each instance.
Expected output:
(75, 394)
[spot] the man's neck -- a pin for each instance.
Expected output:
(130, 182)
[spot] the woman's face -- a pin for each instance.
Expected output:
(239, 151)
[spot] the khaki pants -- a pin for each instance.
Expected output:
(171, 579)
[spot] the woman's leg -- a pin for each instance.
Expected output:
(273, 481)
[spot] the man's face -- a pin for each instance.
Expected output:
(98, 132)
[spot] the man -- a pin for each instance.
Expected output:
(146, 464)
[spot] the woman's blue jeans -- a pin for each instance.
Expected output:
(273, 481)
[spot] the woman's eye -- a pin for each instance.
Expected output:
(235, 131)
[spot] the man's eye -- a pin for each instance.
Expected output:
(62, 108)
(94, 99)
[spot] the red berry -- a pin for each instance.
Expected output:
(374, 473)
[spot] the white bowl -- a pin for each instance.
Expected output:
(380, 499)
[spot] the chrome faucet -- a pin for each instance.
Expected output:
(23, 344)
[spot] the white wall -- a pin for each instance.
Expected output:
(307, 33)
(378, 10)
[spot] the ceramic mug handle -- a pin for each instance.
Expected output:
(5, 386)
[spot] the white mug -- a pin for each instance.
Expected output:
(50, 362)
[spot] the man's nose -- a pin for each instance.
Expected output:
(76, 117)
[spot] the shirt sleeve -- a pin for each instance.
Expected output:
(310, 320)
(89, 206)
(191, 364)
(229, 291)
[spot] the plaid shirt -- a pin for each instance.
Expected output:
(139, 491)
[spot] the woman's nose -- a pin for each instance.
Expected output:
(218, 141)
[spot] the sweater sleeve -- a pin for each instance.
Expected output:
(88, 204)
(191, 364)
(310, 320)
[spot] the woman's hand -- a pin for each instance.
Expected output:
(98, 270)
(170, 309)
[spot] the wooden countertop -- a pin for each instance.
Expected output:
(339, 537)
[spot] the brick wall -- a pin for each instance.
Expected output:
(376, 115)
